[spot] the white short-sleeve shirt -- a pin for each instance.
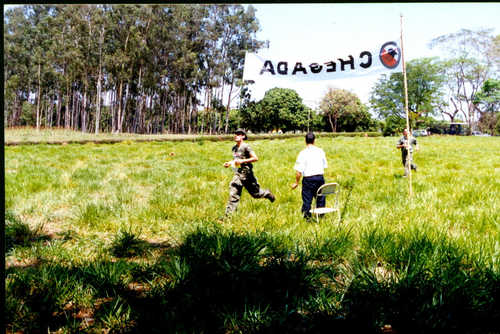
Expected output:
(311, 161)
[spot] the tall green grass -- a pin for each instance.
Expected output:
(128, 238)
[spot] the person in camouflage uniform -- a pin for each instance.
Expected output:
(243, 156)
(406, 144)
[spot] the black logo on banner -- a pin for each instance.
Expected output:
(390, 55)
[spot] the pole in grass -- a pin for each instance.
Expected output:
(408, 156)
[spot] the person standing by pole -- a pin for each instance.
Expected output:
(406, 146)
(243, 157)
(310, 166)
(408, 129)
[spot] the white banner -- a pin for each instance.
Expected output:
(386, 57)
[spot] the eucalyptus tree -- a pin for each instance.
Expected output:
(120, 57)
(230, 31)
(163, 47)
(100, 28)
(17, 64)
(152, 60)
(39, 41)
(85, 19)
(239, 37)
(186, 61)
(62, 56)
(211, 55)
(69, 34)
(142, 58)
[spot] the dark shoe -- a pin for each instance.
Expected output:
(271, 197)
(415, 168)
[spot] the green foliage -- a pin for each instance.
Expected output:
(127, 244)
(488, 121)
(497, 126)
(425, 83)
(27, 114)
(488, 101)
(280, 108)
(393, 125)
(173, 52)
(344, 112)
(472, 58)
(357, 121)
(489, 96)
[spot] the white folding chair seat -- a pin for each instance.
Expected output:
(328, 189)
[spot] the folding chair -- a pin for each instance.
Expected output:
(326, 190)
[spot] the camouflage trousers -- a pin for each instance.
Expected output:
(407, 161)
(240, 180)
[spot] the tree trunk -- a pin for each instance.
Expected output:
(38, 116)
(59, 108)
(67, 120)
(84, 110)
(48, 115)
(182, 110)
(226, 128)
(154, 120)
(98, 103)
(121, 120)
(163, 111)
(120, 104)
(113, 109)
(138, 107)
(331, 123)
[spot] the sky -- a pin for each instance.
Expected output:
(308, 29)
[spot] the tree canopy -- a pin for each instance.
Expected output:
(344, 111)
(134, 68)
(472, 57)
(280, 108)
(425, 83)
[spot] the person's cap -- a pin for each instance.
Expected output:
(240, 131)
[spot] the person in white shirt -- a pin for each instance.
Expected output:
(310, 166)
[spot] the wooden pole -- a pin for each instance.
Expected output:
(408, 156)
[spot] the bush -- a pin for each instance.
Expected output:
(126, 244)
(393, 124)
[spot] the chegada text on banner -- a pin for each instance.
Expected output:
(383, 58)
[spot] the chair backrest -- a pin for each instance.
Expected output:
(327, 189)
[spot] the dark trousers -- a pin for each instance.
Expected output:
(404, 155)
(310, 186)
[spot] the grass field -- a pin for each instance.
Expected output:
(126, 237)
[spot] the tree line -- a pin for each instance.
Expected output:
(126, 68)
(178, 68)
(463, 85)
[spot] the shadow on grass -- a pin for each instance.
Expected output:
(222, 282)
(18, 233)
